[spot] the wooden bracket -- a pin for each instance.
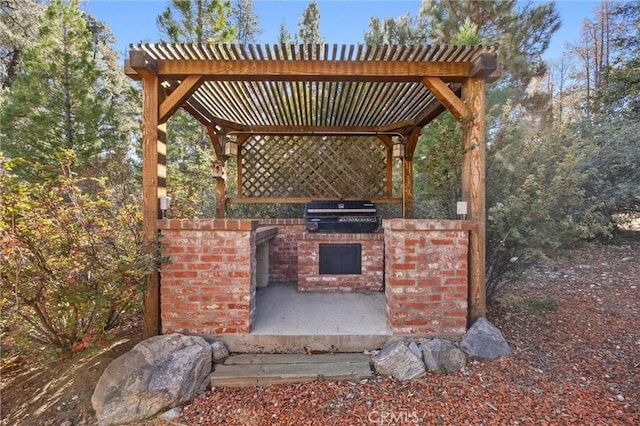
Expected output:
(177, 98)
(447, 97)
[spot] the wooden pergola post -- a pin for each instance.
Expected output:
(221, 197)
(473, 191)
(153, 186)
(411, 141)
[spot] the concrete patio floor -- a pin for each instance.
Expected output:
(282, 310)
(290, 322)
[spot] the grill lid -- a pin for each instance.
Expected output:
(352, 216)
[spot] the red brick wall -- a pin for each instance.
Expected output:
(371, 278)
(283, 249)
(426, 275)
(208, 284)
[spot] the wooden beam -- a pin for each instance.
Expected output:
(386, 139)
(473, 191)
(178, 96)
(321, 130)
(242, 138)
(303, 200)
(305, 70)
(152, 137)
(398, 127)
(388, 142)
(142, 64)
(447, 97)
(486, 66)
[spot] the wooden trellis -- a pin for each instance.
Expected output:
(284, 167)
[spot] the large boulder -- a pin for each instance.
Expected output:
(158, 373)
(439, 354)
(401, 360)
(484, 340)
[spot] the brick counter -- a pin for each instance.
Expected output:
(208, 277)
(426, 275)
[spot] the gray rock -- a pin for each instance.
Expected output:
(219, 351)
(158, 373)
(441, 354)
(484, 340)
(400, 360)
(171, 414)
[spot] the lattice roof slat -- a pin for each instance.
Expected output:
(284, 88)
(273, 100)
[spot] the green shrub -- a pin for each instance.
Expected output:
(71, 264)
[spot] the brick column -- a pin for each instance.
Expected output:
(208, 275)
(426, 276)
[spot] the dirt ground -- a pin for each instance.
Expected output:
(572, 323)
(59, 392)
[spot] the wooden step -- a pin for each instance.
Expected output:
(268, 369)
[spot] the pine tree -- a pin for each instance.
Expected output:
(309, 25)
(284, 36)
(522, 31)
(189, 151)
(246, 20)
(60, 98)
(19, 24)
(197, 21)
(401, 31)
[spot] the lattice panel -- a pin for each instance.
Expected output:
(314, 166)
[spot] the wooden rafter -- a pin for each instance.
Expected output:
(293, 89)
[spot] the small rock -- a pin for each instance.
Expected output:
(400, 360)
(219, 351)
(484, 340)
(441, 354)
(174, 413)
(627, 259)
(619, 397)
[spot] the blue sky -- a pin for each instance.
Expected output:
(341, 21)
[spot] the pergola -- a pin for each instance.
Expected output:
(359, 95)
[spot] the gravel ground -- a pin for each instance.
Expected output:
(572, 324)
